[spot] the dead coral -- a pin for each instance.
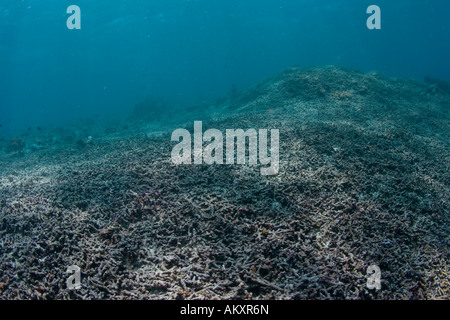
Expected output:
(362, 181)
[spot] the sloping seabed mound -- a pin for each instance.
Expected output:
(363, 180)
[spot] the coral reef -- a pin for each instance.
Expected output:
(363, 180)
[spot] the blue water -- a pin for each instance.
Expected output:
(189, 51)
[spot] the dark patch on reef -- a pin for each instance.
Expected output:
(438, 84)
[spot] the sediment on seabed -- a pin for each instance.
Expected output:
(363, 181)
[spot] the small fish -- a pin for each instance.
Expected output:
(39, 128)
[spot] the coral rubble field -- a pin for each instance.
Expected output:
(363, 180)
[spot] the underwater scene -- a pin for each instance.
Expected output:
(224, 150)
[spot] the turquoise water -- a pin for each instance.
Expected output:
(118, 162)
(189, 51)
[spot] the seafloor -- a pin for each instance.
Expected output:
(363, 180)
